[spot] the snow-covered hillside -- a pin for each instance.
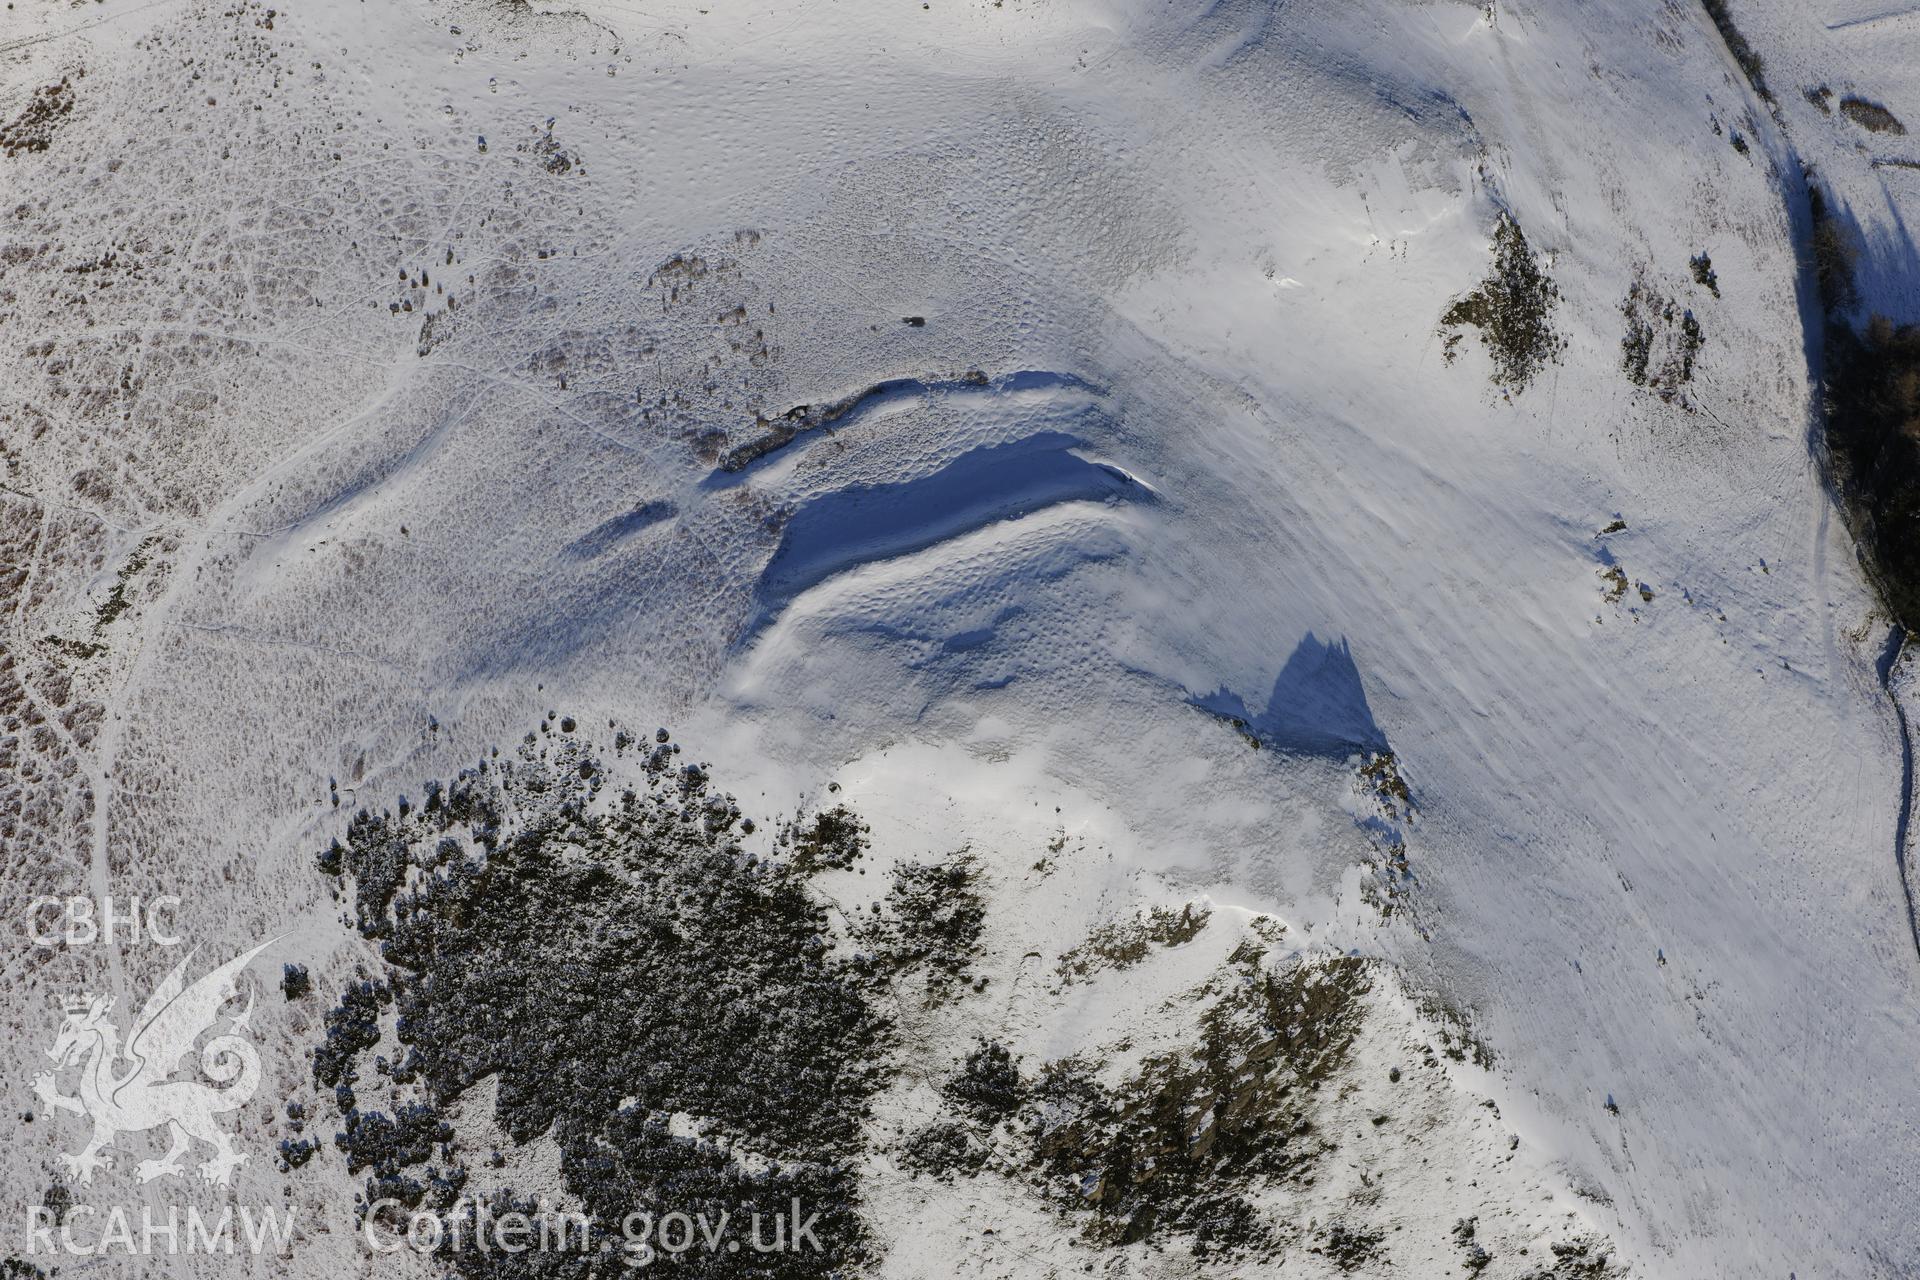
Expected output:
(1031, 425)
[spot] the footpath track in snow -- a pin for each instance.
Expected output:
(1889, 667)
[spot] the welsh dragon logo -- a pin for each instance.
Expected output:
(132, 1090)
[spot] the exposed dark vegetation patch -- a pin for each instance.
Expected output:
(1123, 945)
(1821, 97)
(930, 922)
(378, 857)
(391, 1146)
(116, 602)
(681, 271)
(988, 1086)
(1703, 272)
(57, 1199)
(1380, 771)
(1637, 347)
(1476, 1257)
(1351, 1248)
(295, 982)
(1175, 1149)
(79, 650)
(434, 330)
(1177, 1152)
(945, 1149)
(670, 1012)
(833, 841)
(1833, 252)
(109, 609)
(352, 1027)
(1458, 1040)
(33, 128)
(1751, 64)
(772, 434)
(777, 433)
(1871, 116)
(1513, 310)
(1872, 418)
(550, 154)
(1661, 343)
(613, 960)
(296, 1152)
(987, 1090)
(1585, 1259)
(1392, 881)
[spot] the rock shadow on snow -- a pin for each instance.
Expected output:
(605, 537)
(1318, 705)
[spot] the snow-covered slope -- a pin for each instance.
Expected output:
(1035, 422)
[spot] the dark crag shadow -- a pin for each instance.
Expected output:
(1866, 436)
(1318, 705)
